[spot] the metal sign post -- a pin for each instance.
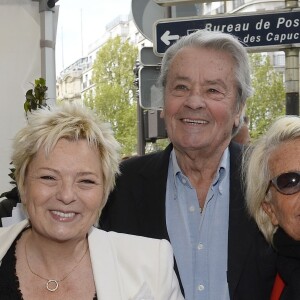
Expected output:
(150, 98)
(149, 95)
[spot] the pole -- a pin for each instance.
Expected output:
(48, 54)
(140, 113)
(48, 18)
(62, 48)
(141, 137)
(292, 81)
(81, 32)
(292, 73)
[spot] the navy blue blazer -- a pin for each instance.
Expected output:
(137, 206)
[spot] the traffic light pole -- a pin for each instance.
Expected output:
(141, 136)
(140, 118)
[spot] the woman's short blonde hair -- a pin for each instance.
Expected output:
(47, 126)
(256, 169)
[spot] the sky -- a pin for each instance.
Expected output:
(80, 23)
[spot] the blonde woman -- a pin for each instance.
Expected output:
(65, 163)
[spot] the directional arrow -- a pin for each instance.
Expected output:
(166, 37)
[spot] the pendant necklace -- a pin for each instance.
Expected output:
(52, 284)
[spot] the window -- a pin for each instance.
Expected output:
(238, 3)
(279, 59)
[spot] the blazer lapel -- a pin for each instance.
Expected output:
(104, 265)
(241, 227)
(151, 194)
(9, 234)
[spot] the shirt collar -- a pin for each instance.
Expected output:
(223, 167)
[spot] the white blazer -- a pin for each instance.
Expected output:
(125, 267)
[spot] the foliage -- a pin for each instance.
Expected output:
(159, 144)
(268, 101)
(114, 95)
(36, 97)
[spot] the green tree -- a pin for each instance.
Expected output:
(115, 93)
(268, 100)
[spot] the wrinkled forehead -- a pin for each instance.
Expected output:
(284, 157)
(192, 63)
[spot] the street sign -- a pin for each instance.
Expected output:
(150, 96)
(175, 2)
(260, 31)
(148, 58)
(144, 14)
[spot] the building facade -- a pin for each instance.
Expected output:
(76, 80)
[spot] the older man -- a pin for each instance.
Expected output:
(191, 193)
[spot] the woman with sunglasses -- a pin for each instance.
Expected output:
(272, 173)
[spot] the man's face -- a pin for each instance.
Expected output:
(200, 100)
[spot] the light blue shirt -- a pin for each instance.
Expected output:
(199, 239)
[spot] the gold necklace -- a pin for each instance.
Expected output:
(53, 284)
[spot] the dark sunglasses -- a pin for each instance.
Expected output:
(286, 183)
